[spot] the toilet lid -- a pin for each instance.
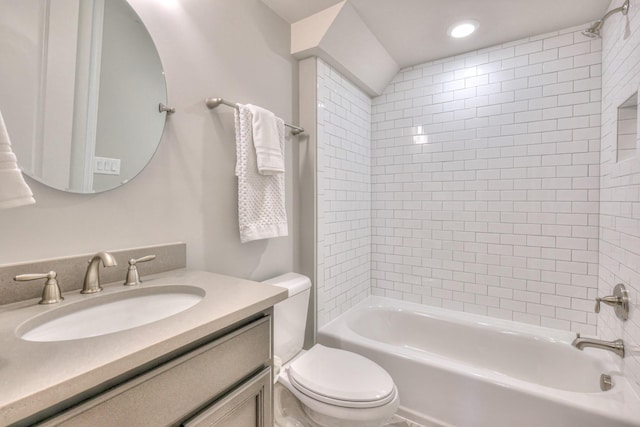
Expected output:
(341, 378)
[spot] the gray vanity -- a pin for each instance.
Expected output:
(210, 364)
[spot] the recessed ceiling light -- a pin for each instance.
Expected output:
(463, 29)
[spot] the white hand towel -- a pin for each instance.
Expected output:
(267, 140)
(261, 207)
(14, 191)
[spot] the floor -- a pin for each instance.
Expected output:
(398, 421)
(294, 416)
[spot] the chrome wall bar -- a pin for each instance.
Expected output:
(166, 109)
(215, 102)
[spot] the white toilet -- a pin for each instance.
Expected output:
(335, 388)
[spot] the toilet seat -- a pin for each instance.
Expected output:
(341, 378)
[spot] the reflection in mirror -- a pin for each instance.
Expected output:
(80, 85)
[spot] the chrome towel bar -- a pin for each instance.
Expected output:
(215, 102)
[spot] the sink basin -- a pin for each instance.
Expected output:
(106, 314)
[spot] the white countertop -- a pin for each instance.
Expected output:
(37, 375)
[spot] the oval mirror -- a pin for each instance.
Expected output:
(80, 87)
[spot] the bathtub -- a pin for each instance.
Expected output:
(459, 369)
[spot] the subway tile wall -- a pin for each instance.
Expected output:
(344, 194)
(620, 186)
(485, 182)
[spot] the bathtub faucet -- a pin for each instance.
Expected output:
(616, 346)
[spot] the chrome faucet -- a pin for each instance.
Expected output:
(616, 346)
(92, 277)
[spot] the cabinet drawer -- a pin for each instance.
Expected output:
(165, 395)
(247, 406)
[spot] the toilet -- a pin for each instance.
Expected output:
(334, 388)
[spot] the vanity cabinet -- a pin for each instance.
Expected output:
(227, 382)
(248, 405)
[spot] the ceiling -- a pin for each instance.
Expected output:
(415, 31)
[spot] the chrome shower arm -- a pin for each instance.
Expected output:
(624, 9)
(594, 30)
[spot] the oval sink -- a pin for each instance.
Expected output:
(106, 314)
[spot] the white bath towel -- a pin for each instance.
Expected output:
(261, 204)
(268, 140)
(14, 191)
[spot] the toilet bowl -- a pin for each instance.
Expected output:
(334, 388)
(340, 388)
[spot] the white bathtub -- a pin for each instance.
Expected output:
(459, 369)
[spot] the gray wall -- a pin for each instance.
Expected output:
(235, 49)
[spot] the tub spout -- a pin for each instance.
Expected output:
(616, 346)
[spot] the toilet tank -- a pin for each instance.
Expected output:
(290, 315)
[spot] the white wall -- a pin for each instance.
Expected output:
(229, 48)
(485, 182)
(20, 43)
(340, 37)
(344, 194)
(620, 188)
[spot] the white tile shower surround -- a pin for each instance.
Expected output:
(620, 186)
(485, 182)
(344, 194)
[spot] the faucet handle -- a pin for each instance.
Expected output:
(133, 278)
(133, 261)
(25, 277)
(619, 301)
(610, 300)
(51, 293)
